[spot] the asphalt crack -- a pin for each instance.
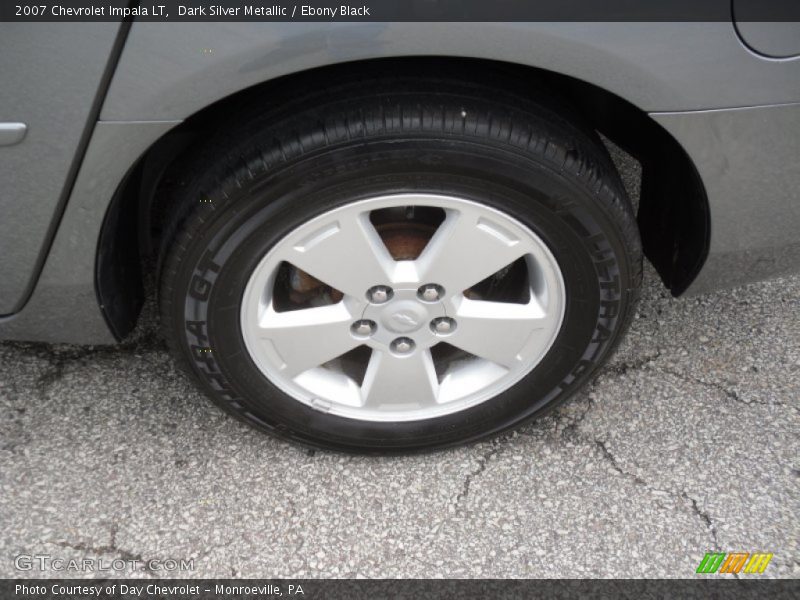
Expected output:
(139, 562)
(683, 495)
(58, 357)
(615, 465)
(498, 446)
(711, 385)
(570, 430)
(622, 368)
(705, 517)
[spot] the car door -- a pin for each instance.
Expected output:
(52, 79)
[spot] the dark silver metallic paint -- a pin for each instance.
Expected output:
(749, 162)
(170, 71)
(64, 304)
(50, 73)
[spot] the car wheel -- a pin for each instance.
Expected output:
(397, 266)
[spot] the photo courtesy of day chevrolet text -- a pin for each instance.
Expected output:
(166, 590)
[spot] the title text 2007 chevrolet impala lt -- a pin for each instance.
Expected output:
(387, 236)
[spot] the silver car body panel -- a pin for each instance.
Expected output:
(49, 76)
(692, 77)
(170, 71)
(64, 305)
(772, 40)
(749, 161)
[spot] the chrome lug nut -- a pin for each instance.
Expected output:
(363, 328)
(443, 325)
(430, 292)
(379, 294)
(402, 345)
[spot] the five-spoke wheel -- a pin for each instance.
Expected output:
(398, 264)
(439, 338)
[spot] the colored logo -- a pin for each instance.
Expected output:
(734, 562)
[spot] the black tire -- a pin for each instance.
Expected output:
(282, 166)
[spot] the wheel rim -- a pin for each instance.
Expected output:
(385, 327)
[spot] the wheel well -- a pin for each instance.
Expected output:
(673, 212)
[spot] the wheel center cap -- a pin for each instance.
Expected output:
(404, 316)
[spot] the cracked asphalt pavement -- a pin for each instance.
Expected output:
(686, 442)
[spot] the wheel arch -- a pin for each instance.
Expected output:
(673, 217)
